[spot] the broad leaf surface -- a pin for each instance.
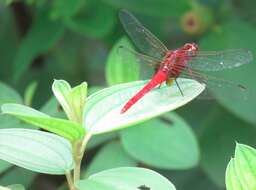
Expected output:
(167, 143)
(36, 150)
(102, 111)
(126, 178)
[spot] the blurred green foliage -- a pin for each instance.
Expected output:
(76, 40)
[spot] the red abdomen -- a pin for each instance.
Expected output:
(158, 78)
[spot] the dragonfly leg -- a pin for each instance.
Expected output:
(179, 87)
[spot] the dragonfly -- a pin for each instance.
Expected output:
(187, 61)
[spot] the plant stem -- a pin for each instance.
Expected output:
(70, 182)
(79, 156)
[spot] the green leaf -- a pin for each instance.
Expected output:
(65, 9)
(72, 100)
(43, 34)
(126, 178)
(240, 173)
(8, 95)
(16, 187)
(65, 128)
(110, 156)
(232, 180)
(116, 70)
(228, 36)
(244, 162)
(160, 8)
(29, 93)
(36, 150)
(219, 132)
(102, 111)
(94, 20)
(166, 143)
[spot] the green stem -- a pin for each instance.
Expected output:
(79, 156)
(71, 185)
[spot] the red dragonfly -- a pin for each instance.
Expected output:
(186, 61)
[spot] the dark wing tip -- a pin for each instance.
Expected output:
(241, 87)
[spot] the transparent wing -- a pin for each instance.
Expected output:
(220, 60)
(147, 64)
(221, 87)
(142, 37)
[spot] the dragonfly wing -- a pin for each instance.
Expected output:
(216, 61)
(217, 87)
(142, 37)
(146, 63)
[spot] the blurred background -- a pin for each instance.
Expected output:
(42, 40)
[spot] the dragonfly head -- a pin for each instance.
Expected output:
(190, 48)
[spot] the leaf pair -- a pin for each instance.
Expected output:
(72, 100)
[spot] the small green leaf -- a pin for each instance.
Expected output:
(16, 187)
(116, 70)
(232, 180)
(94, 20)
(43, 34)
(65, 128)
(126, 178)
(110, 156)
(245, 162)
(8, 95)
(71, 99)
(29, 93)
(34, 150)
(169, 137)
(102, 111)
